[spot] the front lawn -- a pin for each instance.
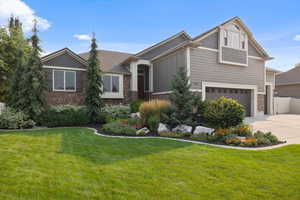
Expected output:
(76, 164)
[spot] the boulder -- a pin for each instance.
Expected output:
(135, 115)
(203, 129)
(143, 131)
(162, 128)
(183, 129)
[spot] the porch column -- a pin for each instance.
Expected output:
(151, 77)
(134, 81)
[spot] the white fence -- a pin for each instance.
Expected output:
(2, 105)
(284, 105)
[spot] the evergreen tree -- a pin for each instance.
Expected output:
(11, 42)
(93, 99)
(33, 84)
(182, 99)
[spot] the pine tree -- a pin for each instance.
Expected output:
(33, 84)
(93, 99)
(182, 99)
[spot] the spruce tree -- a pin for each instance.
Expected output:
(94, 91)
(33, 84)
(182, 99)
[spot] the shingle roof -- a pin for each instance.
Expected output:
(110, 60)
(290, 77)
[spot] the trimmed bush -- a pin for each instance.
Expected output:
(135, 106)
(154, 107)
(117, 128)
(265, 138)
(223, 113)
(174, 134)
(66, 115)
(11, 119)
(243, 130)
(153, 123)
(115, 112)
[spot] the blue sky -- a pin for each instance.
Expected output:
(131, 25)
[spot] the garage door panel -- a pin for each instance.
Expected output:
(242, 96)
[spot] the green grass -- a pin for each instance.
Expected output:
(77, 164)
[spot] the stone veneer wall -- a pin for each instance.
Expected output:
(261, 102)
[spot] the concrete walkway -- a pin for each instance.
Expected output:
(285, 126)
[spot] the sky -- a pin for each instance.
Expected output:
(132, 25)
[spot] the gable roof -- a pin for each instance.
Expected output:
(236, 19)
(291, 76)
(62, 51)
(111, 61)
(181, 33)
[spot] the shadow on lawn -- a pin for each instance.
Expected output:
(103, 150)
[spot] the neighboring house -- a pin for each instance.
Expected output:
(224, 61)
(288, 83)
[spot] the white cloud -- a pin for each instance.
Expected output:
(26, 14)
(82, 36)
(297, 38)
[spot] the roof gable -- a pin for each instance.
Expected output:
(239, 22)
(64, 57)
(164, 45)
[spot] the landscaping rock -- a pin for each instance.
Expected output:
(135, 115)
(183, 129)
(203, 129)
(242, 138)
(143, 131)
(162, 128)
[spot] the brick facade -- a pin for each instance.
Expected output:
(261, 103)
(63, 98)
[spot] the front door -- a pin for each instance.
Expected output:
(141, 87)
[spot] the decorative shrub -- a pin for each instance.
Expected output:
(249, 142)
(11, 119)
(174, 134)
(243, 130)
(232, 141)
(265, 138)
(134, 106)
(154, 107)
(66, 115)
(153, 123)
(117, 128)
(115, 112)
(222, 132)
(223, 113)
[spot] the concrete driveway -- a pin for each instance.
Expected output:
(285, 126)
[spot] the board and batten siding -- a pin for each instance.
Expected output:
(164, 70)
(205, 67)
(270, 78)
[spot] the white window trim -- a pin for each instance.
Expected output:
(115, 95)
(64, 90)
(63, 68)
(221, 45)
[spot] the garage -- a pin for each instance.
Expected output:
(243, 96)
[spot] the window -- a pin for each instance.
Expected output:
(234, 37)
(111, 83)
(64, 80)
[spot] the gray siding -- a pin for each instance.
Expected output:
(234, 55)
(64, 60)
(156, 51)
(210, 41)
(205, 67)
(288, 91)
(164, 70)
(252, 51)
